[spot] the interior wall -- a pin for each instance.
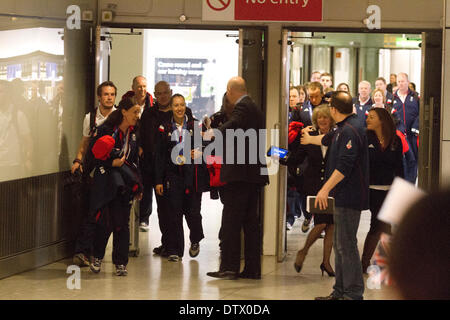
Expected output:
(126, 60)
(40, 215)
(445, 108)
(342, 14)
(409, 61)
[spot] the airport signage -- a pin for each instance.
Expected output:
(263, 10)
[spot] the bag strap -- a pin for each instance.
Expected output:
(92, 126)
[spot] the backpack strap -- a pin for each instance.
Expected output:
(92, 126)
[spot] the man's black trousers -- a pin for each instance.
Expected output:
(241, 211)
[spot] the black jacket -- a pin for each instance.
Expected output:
(218, 119)
(304, 114)
(246, 115)
(362, 110)
(348, 153)
(151, 119)
(110, 182)
(195, 176)
(311, 165)
(384, 165)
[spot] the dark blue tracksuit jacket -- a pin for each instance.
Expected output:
(362, 110)
(349, 155)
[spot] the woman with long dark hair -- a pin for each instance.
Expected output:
(343, 87)
(116, 182)
(385, 163)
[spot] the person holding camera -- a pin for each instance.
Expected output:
(313, 176)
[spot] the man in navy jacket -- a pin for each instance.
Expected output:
(315, 98)
(406, 109)
(348, 183)
(363, 102)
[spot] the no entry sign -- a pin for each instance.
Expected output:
(263, 10)
(218, 5)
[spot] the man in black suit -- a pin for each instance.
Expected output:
(244, 177)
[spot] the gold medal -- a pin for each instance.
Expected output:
(180, 160)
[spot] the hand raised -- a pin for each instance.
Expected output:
(159, 188)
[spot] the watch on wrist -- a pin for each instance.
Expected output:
(77, 161)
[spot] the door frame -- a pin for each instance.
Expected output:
(237, 28)
(421, 111)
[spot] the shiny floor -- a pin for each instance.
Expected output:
(155, 278)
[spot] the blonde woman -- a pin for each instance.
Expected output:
(378, 99)
(314, 178)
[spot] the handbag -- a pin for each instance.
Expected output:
(214, 164)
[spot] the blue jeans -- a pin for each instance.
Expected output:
(410, 164)
(293, 206)
(349, 277)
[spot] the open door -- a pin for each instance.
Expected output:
(252, 69)
(283, 135)
(251, 62)
(430, 110)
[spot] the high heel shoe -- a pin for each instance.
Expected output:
(298, 267)
(330, 273)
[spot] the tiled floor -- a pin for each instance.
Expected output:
(152, 277)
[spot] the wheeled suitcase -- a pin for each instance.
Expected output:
(134, 230)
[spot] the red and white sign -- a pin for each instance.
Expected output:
(263, 10)
(218, 10)
(218, 5)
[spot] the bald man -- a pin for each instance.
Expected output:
(242, 190)
(139, 93)
(151, 119)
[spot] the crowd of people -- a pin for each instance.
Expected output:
(340, 146)
(351, 149)
(30, 139)
(141, 145)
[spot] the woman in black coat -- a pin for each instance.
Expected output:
(116, 182)
(313, 180)
(385, 163)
